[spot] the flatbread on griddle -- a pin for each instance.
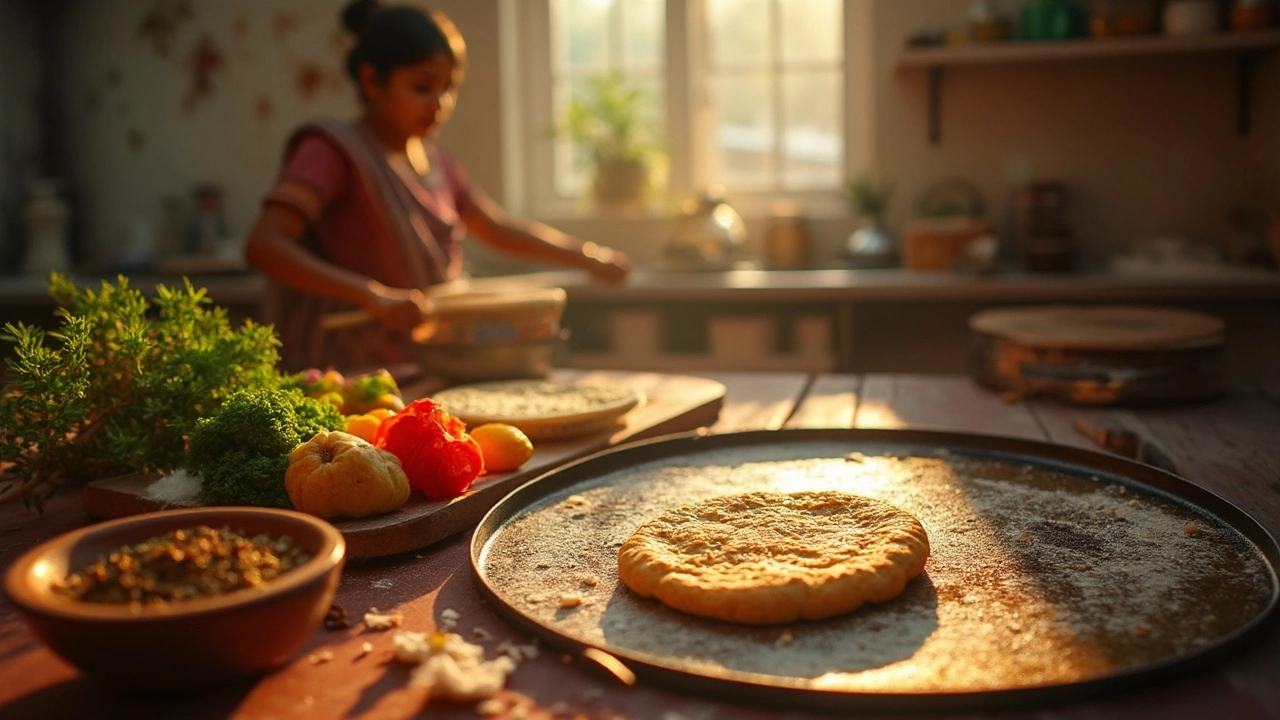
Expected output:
(761, 558)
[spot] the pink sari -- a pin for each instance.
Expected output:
(370, 218)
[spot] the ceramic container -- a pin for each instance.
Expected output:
(175, 647)
(708, 235)
(1191, 17)
(47, 216)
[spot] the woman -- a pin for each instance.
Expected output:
(366, 215)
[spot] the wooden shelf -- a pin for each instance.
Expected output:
(1023, 51)
(1248, 46)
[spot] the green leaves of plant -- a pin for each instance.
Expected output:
(122, 381)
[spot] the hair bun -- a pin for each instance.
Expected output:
(358, 13)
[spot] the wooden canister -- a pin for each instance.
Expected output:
(1098, 355)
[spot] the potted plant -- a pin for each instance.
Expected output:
(609, 126)
(870, 246)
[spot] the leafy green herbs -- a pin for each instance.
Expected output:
(120, 385)
(244, 449)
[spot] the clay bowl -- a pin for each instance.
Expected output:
(161, 649)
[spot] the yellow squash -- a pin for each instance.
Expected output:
(336, 474)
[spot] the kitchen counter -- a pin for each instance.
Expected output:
(894, 285)
(224, 289)
(1224, 283)
(877, 320)
(807, 320)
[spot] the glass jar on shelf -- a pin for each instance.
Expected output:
(1122, 18)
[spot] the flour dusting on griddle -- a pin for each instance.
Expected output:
(1036, 577)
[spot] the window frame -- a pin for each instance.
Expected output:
(526, 90)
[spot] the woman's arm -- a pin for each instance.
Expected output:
(274, 246)
(541, 243)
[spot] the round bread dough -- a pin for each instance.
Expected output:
(761, 558)
(543, 409)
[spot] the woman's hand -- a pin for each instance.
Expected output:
(397, 309)
(606, 264)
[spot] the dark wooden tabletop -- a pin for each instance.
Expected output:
(1230, 446)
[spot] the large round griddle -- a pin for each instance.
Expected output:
(1054, 571)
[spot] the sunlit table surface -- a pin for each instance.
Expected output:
(1230, 446)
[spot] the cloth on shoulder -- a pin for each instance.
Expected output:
(368, 216)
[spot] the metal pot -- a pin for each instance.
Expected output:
(499, 360)
(870, 247)
(708, 235)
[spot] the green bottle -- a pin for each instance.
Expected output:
(1052, 20)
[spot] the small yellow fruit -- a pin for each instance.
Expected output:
(502, 447)
(381, 413)
(334, 399)
(363, 426)
(388, 401)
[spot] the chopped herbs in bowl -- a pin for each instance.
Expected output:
(180, 599)
(184, 564)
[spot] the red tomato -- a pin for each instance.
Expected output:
(438, 456)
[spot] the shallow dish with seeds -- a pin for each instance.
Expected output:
(272, 577)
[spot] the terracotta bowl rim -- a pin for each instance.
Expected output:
(18, 583)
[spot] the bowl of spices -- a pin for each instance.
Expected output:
(180, 599)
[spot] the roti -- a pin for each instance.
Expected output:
(543, 409)
(761, 558)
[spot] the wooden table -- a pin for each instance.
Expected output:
(1230, 446)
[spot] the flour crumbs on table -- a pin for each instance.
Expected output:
(176, 489)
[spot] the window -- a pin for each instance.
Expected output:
(773, 74)
(589, 38)
(755, 96)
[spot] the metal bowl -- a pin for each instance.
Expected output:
(497, 360)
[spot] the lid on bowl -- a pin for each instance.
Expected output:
(515, 299)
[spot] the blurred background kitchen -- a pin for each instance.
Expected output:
(803, 184)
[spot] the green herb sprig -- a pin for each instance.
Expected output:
(121, 383)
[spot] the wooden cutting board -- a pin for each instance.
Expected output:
(674, 403)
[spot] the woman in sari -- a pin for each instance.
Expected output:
(366, 215)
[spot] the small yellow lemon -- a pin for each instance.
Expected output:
(503, 447)
(381, 413)
(363, 426)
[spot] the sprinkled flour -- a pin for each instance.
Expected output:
(1036, 577)
(177, 489)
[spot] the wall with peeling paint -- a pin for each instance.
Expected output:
(154, 114)
(1146, 144)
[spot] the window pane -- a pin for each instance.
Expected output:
(644, 34)
(744, 131)
(811, 30)
(653, 112)
(571, 174)
(813, 140)
(590, 38)
(739, 31)
(580, 34)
